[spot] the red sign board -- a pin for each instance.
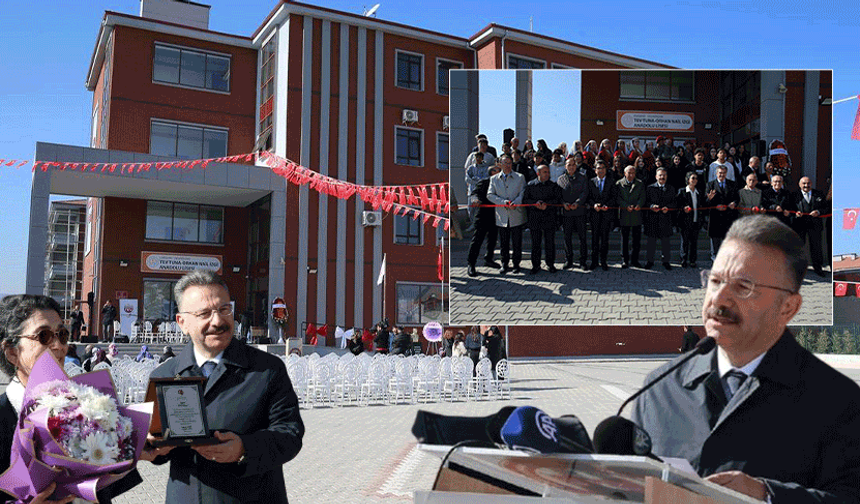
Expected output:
(121, 295)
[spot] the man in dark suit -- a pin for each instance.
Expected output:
(485, 226)
(809, 205)
(690, 219)
(108, 316)
(660, 198)
(250, 405)
(630, 198)
(759, 413)
(722, 194)
(574, 196)
(778, 199)
(543, 217)
(601, 195)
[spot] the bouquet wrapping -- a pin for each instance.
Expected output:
(71, 431)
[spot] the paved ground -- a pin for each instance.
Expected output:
(615, 297)
(366, 455)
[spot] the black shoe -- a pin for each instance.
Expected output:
(693, 264)
(624, 265)
(636, 264)
(552, 269)
(505, 268)
(667, 266)
(492, 264)
(605, 267)
(568, 265)
(583, 266)
(649, 265)
(819, 272)
(472, 271)
(685, 264)
(516, 270)
(534, 270)
(593, 266)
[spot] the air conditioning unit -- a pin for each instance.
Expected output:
(446, 122)
(371, 219)
(410, 116)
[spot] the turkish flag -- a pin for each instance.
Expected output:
(849, 218)
(855, 132)
(841, 289)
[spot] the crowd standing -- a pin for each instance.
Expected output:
(651, 186)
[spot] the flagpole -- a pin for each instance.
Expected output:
(845, 99)
(442, 254)
(384, 285)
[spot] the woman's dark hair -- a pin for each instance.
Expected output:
(14, 312)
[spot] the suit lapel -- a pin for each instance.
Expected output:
(745, 392)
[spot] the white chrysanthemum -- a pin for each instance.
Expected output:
(97, 447)
(99, 407)
(124, 427)
(53, 402)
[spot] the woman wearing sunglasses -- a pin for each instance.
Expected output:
(30, 325)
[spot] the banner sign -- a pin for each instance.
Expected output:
(655, 121)
(162, 262)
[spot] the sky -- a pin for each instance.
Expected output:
(45, 53)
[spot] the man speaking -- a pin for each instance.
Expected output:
(758, 414)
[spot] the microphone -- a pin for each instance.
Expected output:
(524, 427)
(531, 429)
(619, 436)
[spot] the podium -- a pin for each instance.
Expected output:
(487, 475)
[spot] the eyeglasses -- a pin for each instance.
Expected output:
(46, 336)
(740, 287)
(224, 311)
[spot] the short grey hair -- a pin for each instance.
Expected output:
(769, 232)
(198, 278)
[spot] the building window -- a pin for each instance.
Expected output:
(408, 231)
(442, 151)
(158, 301)
(184, 141)
(442, 78)
(523, 63)
(184, 222)
(419, 303)
(657, 85)
(192, 68)
(410, 70)
(267, 88)
(408, 146)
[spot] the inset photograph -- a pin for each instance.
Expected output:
(604, 197)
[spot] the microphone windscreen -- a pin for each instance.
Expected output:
(705, 345)
(619, 436)
(572, 435)
(436, 429)
(528, 428)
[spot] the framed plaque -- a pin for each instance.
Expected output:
(181, 418)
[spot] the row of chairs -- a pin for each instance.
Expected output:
(129, 377)
(394, 379)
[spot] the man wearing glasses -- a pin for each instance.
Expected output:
(758, 414)
(249, 401)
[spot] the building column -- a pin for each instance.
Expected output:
(523, 120)
(772, 109)
(464, 85)
(38, 240)
(810, 129)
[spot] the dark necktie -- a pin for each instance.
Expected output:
(734, 379)
(208, 367)
(600, 185)
(722, 185)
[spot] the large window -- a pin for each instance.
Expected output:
(158, 301)
(184, 222)
(442, 78)
(184, 141)
(419, 303)
(410, 70)
(408, 231)
(267, 85)
(408, 146)
(442, 151)
(659, 85)
(193, 68)
(523, 63)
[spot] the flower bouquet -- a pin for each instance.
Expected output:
(71, 431)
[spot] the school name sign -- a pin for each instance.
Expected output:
(159, 262)
(639, 120)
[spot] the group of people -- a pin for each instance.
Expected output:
(483, 341)
(655, 189)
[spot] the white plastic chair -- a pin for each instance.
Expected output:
(502, 382)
